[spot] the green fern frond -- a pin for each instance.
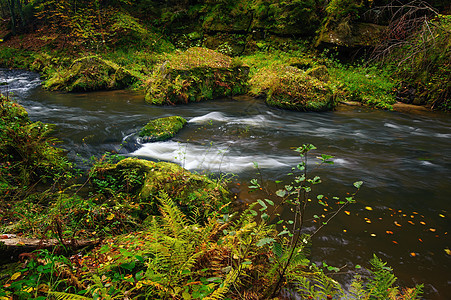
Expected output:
(173, 219)
(382, 279)
(221, 292)
(66, 296)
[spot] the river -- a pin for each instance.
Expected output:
(402, 211)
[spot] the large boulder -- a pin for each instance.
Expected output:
(146, 180)
(91, 73)
(291, 88)
(195, 75)
(162, 129)
(351, 35)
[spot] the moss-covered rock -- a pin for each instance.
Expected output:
(89, 74)
(290, 88)
(195, 75)
(320, 72)
(162, 129)
(351, 35)
(147, 179)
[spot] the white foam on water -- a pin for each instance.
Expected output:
(443, 135)
(340, 161)
(213, 116)
(256, 121)
(217, 159)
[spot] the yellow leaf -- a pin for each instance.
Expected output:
(432, 229)
(15, 276)
(110, 217)
(441, 215)
(448, 251)
(139, 285)
(347, 212)
(368, 208)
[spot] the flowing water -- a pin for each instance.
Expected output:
(403, 159)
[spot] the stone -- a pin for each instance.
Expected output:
(91, 73)
(195, 75)
(162, 129)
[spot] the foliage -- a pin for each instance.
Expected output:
(27, 155)
(366, 84)
(162, 129)
(15, 58)
(417, 52)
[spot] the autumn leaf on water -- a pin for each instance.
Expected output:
(389, 232)
(347, 212)
(395, 242)
(432, 229)
(413, 254)
(447, 251)
(368, 208)
(397, 224)
(422, 223)
(411, 222)
(442, 216)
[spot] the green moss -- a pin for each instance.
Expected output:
(286, 86)
(195, 75)
(162, 129)
(89, 74)
(190, 191)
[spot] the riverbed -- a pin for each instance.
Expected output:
(404, 160)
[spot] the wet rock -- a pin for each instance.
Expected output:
(320, 73)
(91, 73)
(290, 88)
(351, 35)
(195, 75)
(162, 129)
(147, 180)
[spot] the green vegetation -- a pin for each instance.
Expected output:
(27, 155)
(162, 129)
(195, 75)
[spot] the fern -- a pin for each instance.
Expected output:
(221, 292)
(381, 283)
(65, 296)
(174, 219)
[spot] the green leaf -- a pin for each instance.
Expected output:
(285, 231)
(269, 202)
(277, 249)
(358, 184)
(265, 216)
(319, 197)
(253, 212)
(263, 204)
(265, 241)
(281, 193)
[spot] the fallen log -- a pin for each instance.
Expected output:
(11, 248)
